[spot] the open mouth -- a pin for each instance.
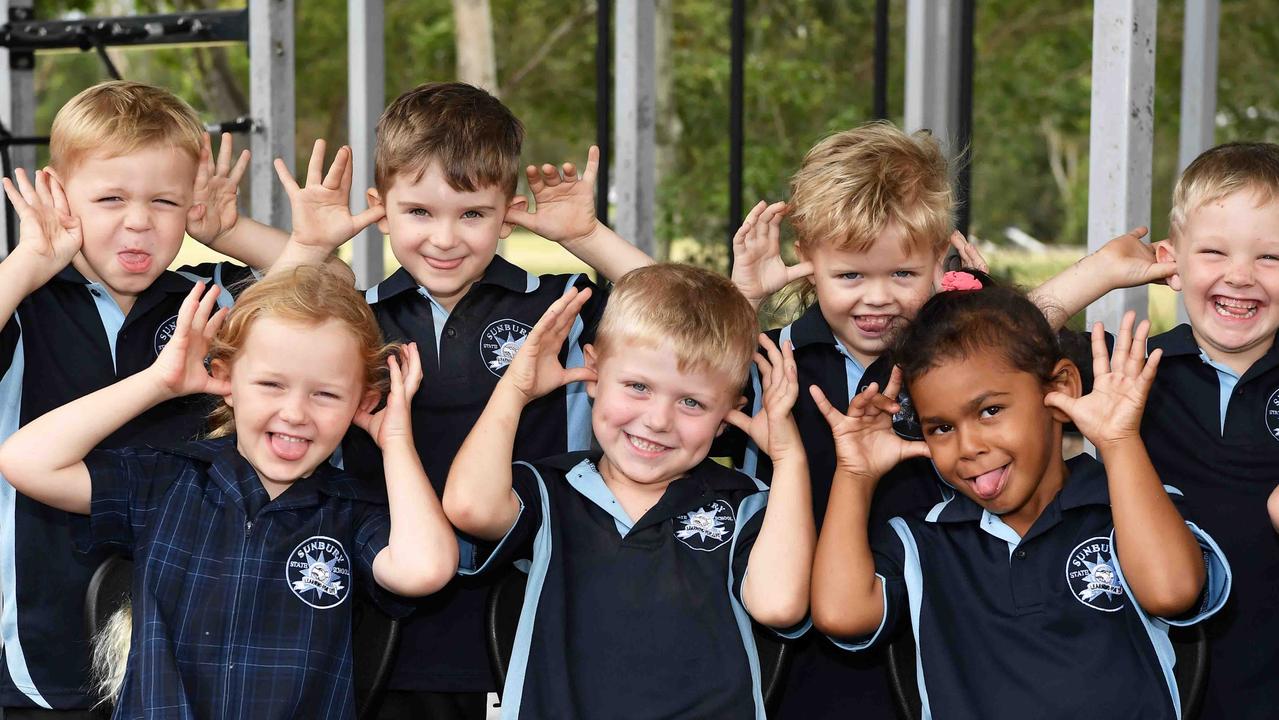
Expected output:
(288, 447)
(443, 264)
(644, 447)
(1234, 308)
(989, 484)
(134, 260)
(873, 324)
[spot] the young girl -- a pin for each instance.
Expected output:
(246, 547)
(1042, 585)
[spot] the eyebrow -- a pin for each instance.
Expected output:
(969, 406)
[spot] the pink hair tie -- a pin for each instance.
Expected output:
(959, 280)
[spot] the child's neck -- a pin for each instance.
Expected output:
(1023, 518)
(1238, 362)
(635, 498)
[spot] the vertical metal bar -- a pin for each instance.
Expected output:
(635, 128)
(1198, 89)
(964, 116)
(880, 101)
(1121, 135)
(932, 67)
(17, 109)
(366, 96)
(603, 101)
(272, 105)
(736, 113)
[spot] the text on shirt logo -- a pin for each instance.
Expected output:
(319, 572)
(164, 333)
(1272, 415)
(500, 341)
(707, 528)
(1091, 575)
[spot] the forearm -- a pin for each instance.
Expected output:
(777, 584)
(847, 595)
(606, 251)
(1067, 293)
(1161, 559)
(478, 497)
(252, 243)
(296, 254)
(422, 554)
(18, 278)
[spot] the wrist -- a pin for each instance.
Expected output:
(28, 270)
(577, 241)
(1119, 443)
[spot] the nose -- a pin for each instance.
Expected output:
(1239, 274)
(293, 409)
(443, 236)
(658, 416)
(137, 217)
(875, 292)
(971, 443)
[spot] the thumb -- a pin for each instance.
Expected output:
(579, 374)
(1061, 401)
(218, 386)
(738, 419)
(197, 212)
(519, 216)
(915, 449)
(799, 270)
(1160, 272)
(368, 217)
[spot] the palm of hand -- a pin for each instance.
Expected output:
(323, 213)
(220, 210)
(867, 446)
(1112, 411)
(50, 238)
(567, 207)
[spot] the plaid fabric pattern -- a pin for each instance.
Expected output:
(241, 604)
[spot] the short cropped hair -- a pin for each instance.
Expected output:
(122, 117)
(471, 134)
(854, 183)
(698, 313)
(1222, 171)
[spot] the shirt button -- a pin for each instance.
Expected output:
(1021, 554)
(450, 332)
(95, 292)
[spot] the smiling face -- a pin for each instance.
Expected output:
(294, 389)
(133, 211)
(654, 421)
(1227, 254)
(445, 238)
(990, 435)
(866, 296)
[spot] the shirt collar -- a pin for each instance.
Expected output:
(167, 282)
(500, 272)
(1085, 485)
(811, 328)
(1181, 341)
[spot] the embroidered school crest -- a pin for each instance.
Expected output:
(1272, 415)
(500, 341)
(1091, 575)
(164, 333)
(707, 528)
(319, 572)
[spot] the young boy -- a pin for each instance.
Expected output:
(648, 559)
(446, 169)
(86, 300)
(1212, 425)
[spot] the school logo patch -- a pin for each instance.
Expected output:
(1091, 575)
(707, 528)
(1272, 415)
(319, 572)
(500, 341)
(164, 333)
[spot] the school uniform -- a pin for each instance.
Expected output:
(464, 354)
(1041, 626)
(241, 603)
(66, 340)
(824, 682)
(1216, 435)
(632, 618)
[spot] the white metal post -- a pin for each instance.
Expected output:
(366, 94)
(1198, 89)
(272, 104)
(1121, 136)
(634, 164)
(17, 99)
(932, 68)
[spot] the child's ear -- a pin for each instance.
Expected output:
(1065, 380)
(374, 199)
(590, 359)
(799, 251)
(1166, 251)
(519, 202)
(371, 398)
(220, 370)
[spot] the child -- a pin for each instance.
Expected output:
(446, 168)
(246, 546)
(648, 559)
(1213, 424)
(1000, 629)
(85, 300)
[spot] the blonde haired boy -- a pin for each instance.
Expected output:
(649, 561)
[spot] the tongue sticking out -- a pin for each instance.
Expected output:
(988, 484)
(872, 323)
(288, 449)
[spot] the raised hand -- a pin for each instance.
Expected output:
(758, 268)
(865, 445)
(1112, 411)
(322, 211)
(772, 428)
(214, 208)
(395, 420)
(969, 255)
(180, 367)
(1130, 261)
(536, 369)
(48, 232)
(565, 211)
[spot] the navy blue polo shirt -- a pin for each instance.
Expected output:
(1043, 626)
(66, 340)
(241, 603)
(632, 618)
(824, 682)
(464, 354)
(1217, 437)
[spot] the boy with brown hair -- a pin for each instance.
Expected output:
(648, 560)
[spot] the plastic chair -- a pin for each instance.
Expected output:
(1189, 644)
(502, 617)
